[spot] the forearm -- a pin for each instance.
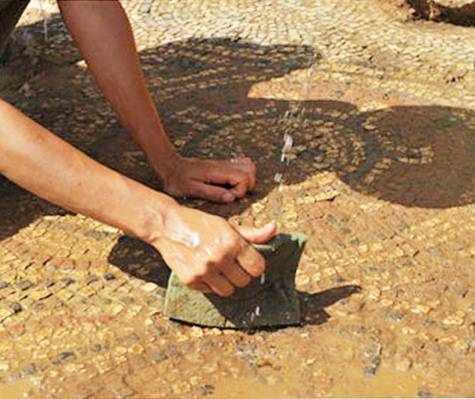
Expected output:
(104, 37)
(42, 163)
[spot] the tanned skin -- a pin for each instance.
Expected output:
(205, 251)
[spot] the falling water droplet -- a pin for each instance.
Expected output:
(288, 142)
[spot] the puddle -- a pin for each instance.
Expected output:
(249, 389)
(16, 390)
(386, 383)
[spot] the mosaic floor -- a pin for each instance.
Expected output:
(382, 181)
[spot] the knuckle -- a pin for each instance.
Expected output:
(240, 175)
(231, 247)
(259, 266)
(249, 165)
(241, 191)
(243, 282)
(216, 260)
(197, 274)
(203, 270)
(235, 242)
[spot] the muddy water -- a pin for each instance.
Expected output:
(387, 383)
(305, 373)
(16, 390)
(245, 388)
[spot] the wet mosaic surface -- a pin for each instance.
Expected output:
(382, 181)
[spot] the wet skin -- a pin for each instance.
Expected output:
(205, 251)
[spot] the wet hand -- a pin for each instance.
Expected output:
(208, 254)
(217, 181)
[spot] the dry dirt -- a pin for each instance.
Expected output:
(458, 12)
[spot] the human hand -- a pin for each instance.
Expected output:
(207, 253)
(217, 181)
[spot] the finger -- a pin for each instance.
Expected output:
(251, 261)
(235, 274)
(258, 235)
(252, 174)
(247, 166)
(211, 193)
(200, 286)
(219, 284)
(240, 189)
(232, 176)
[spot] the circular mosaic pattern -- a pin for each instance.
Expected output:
(380, 179)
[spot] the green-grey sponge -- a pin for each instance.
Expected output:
(265, 302)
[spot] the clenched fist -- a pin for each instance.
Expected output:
(207, 253)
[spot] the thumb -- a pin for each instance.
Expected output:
(258, 235)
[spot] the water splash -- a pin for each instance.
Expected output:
(292, 121)
(45, 17)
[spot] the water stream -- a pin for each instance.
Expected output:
(292, 120)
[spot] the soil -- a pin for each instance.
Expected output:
(457, 12)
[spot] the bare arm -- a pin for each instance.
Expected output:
(204, 250)
(39, 161)
(103, 35)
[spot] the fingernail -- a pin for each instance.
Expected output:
(228, 197)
